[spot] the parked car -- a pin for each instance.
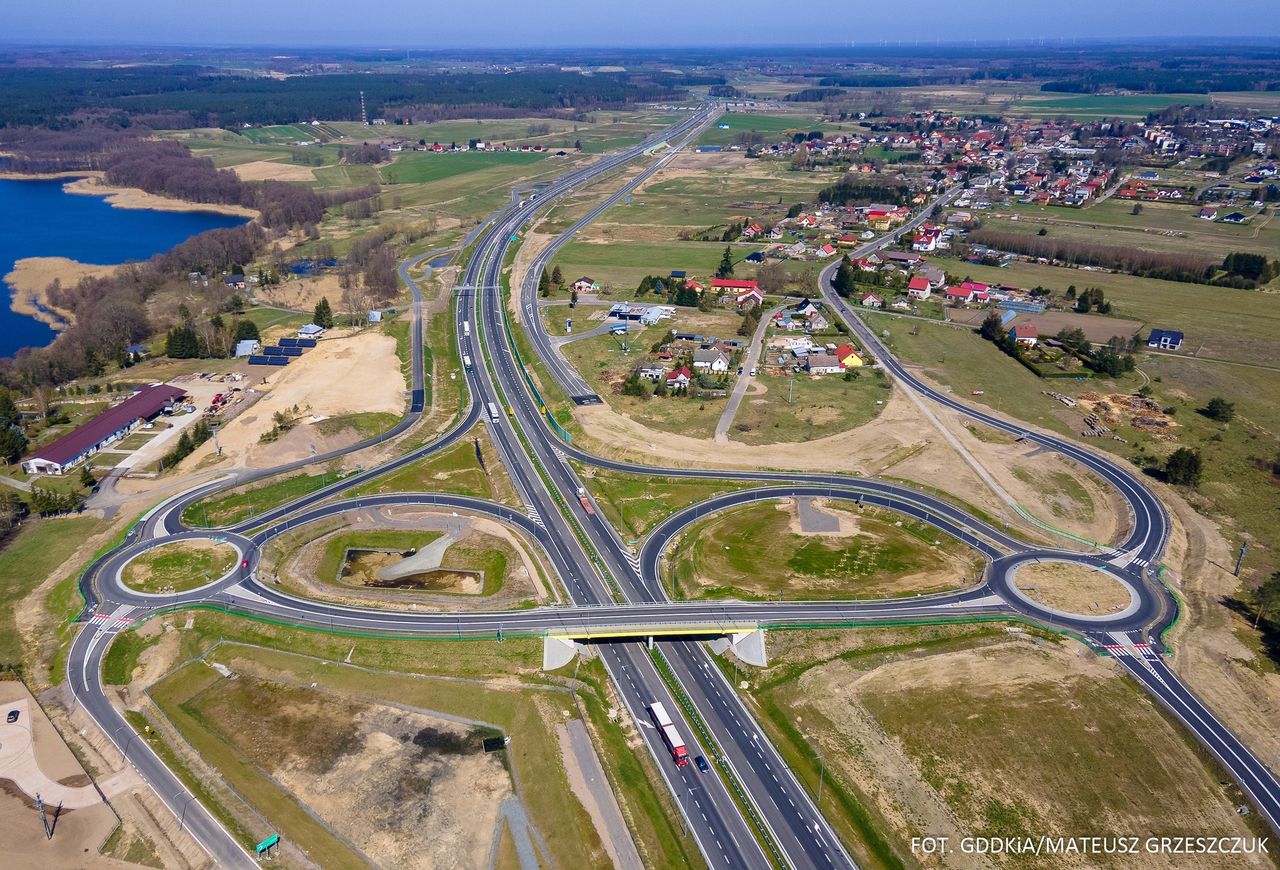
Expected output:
(12, 717)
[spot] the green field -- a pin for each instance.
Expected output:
(454, 469)
(1092, 106)
(280, 134)
(1162, 226)
(634, 504)
(1239, 325)
(178, 567)
(801, 408)
(620, 265)
(240, 503)
(756, 552)
(27, 560)
(772, 127)
(421, 167)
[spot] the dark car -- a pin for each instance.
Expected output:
(702, 764)
(12, 717)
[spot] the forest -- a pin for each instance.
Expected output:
(195, 96)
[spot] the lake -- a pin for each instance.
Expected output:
(39, 219)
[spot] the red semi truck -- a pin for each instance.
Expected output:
(586, 502)
(679, 754)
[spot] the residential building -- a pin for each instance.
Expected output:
(823, 364)
(585, 285)
(918, 288)
(1165, 339)
(710, 359)
(310, 330)
(871, 300)
(679, 377)
(1025, 334)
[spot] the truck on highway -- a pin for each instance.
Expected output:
(493, 412)
(466, 328)
(466, 362)
(585, 502)
(670, 736)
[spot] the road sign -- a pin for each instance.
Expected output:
(268, 844)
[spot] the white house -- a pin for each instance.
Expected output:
(711, 360)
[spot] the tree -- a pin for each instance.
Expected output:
(86, 477)
(1266, 596)
(181, 342)
(557, 277)
(1184, 467)
(1219, 409)
(1137, 208)
(544, 284)
(323, 315)
(726, 263)
(992, 328)
(9, 415)
(573, 298)
(13, 443)
(246, 329)
(844, 278)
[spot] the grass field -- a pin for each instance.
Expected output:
(454, 469)
(421, 167)
(772, 127)
(243, 502)
(1237, 477)
(1092, 106)
(178, 567)
(620, 265)
(279, 134)
(27, 560)
(756, 552)
(635, 503)
(1162, 226)
(802, 408)
(923, 731)
(1241, 325)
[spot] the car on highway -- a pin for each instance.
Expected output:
(12, 717)
(702, 764)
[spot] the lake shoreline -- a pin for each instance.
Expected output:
(31, 277)
(89, 182)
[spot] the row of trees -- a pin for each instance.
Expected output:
(1194, 268)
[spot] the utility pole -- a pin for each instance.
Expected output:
(364, 114)
(1244, 548)
(44, 818)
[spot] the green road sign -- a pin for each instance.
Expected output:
(269, 843)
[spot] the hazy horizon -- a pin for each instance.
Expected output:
(560, 24)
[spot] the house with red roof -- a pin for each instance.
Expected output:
(679, 377)
(959, 295)
(918, 288)
(871, 300)
(1025, 334)
(750, 296)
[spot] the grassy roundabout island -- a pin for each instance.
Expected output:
(815, 551)
(178, 567)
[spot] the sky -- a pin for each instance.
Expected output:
(433, 24)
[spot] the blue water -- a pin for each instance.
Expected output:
(38, 219)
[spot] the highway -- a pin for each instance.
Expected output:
(617, 594)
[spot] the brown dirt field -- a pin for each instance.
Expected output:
(271, 170)
(343, 375)
(407, 788)
(302, 294)
(1072, 587)
(31, 277)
